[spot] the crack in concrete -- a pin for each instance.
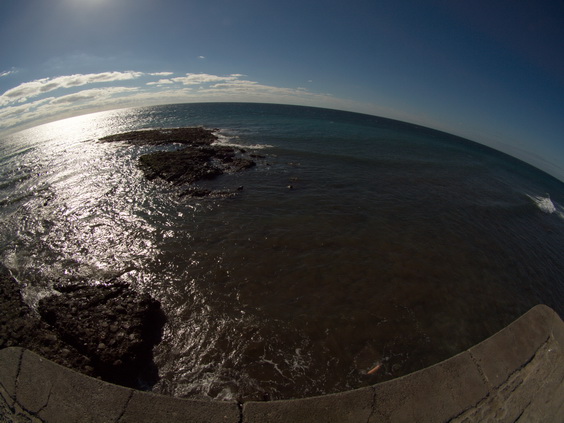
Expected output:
(523, 411)
(372, 405)
(16, 402)
(240, 407)
(472, 407)
(545, 348)
(520, 415)
(506, 388)
(544, 345)
(125, 406)
(484, 399)
(480, 371)
(20, 361)
(13, 399)
(46, 402)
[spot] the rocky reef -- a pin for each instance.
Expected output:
(107, 331)
(190, 136)
(112, 325)
(20, 326)
(199, 159)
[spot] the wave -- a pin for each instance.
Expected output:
(231, 141)
(544, 203)
(547, 205)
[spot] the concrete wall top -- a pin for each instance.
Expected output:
(515, 375)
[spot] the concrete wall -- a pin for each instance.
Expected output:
(517, 375)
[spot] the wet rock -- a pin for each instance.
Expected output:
(184, 166)
(198, 160)
(80, 329)
(241, 164)
(20, 326)
(196, 192)
(87, 318)
(195, 135)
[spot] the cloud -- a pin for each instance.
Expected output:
(201, 57)
(17, 111)
(14, 115)
(203, 78)
(6, 73)
(92, 94)
(27, 90)
(161, 82)
(64, 106)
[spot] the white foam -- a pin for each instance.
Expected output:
(231, 141)
(545, 204)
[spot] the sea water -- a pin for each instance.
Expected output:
(356, 241)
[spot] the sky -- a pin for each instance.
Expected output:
(491, 71)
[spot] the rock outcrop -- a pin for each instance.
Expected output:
(112, 325)
(190, 136)
(20, 326)
(106, 331)
(198, 160)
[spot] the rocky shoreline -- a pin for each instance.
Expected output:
(199, 158)
(109, 330)
(106, 331)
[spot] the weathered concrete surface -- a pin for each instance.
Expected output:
(517, 375)
(147, 407)
(350, 406)
(39, 390)
(523, 368)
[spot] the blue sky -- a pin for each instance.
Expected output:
(491, 71)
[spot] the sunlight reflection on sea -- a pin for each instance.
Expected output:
(395, 245)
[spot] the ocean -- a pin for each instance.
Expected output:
(356, 241)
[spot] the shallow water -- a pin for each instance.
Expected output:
(395, 244)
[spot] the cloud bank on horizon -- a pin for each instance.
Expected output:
(492, 72)
(47, 99)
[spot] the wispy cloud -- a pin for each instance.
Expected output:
(27, 90)
(204, 78)
(92, 94)
(20, 106)
(161, 82)
(191, 79)
(6, 73)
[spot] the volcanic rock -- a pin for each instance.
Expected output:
(198, 160)
(105, 331)
(112, 325)
(20, 326)
(192, 136)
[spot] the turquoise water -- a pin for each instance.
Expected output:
(395, 245)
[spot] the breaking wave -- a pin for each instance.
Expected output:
(547, 205)
(233, 141)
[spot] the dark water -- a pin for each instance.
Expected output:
(397, 245)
